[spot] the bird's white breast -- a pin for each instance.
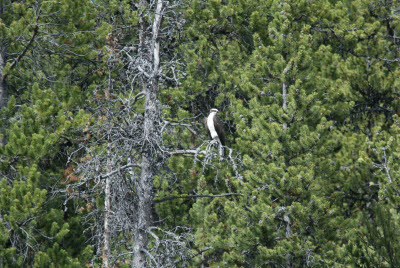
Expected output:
(210, 125)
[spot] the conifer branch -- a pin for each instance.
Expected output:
(35, 31)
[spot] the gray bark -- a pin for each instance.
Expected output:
(3, 50)
(3, 85)
(107, 191)
(150, 133)
(144, 185)
(107, 208)
(128, 150)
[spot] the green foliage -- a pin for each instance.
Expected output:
(308, 92)
(378, 241)
(33, 144)
(57, 257)
(308, 97)
(45, 83)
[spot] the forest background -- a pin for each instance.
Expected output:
(104, 160)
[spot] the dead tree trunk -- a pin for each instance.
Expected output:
(151, 136)
(109, 165)
(3, 86)
(107, 209)
(3, 49)
(145, 183)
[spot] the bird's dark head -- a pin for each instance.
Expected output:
(213, 110)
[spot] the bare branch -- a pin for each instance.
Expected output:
(187, 152)
(138, 96)
(188, 126)
(234, 165)
(118, 170)
(200, 252)
(390, 61)
(387, 169)
(194, 196)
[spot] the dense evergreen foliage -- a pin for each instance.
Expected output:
(309, 93)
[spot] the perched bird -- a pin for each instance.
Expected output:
(214, 126)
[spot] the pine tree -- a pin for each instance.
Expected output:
(298, 125)
(47, 57)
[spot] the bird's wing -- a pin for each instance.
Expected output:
(219, 128)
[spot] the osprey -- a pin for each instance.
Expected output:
(214, 126)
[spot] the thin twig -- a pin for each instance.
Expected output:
(118, 170)
(194, 196)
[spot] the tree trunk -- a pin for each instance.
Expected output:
(145, 183)
(107, 209)
(3, 85)
(151, 136)
(109, 166)
(3, 50)
(284, 101)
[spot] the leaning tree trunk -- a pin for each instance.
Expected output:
(151, 136)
